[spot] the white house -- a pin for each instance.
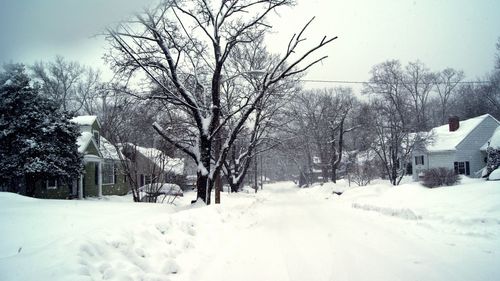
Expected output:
(456, 145)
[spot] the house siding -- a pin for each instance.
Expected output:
(92, 150)
(469, 148)
(441, 159)
(95, 126)
(120, 187)
(433, 160)
(61, 192)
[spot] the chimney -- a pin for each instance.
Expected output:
(454, 123)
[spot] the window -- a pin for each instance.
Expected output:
(148, 179)
(96, 137)
(51, 184)
(462, 168)
(419, 160)
(142, 179)
(108, 172)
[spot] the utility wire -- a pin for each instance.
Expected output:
(367, 82)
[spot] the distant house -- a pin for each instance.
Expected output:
(151, 165)
(457, 145)
(101, 175)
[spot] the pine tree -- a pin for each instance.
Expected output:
(37, 141)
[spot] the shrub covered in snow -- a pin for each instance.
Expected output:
(436, 177)
(493, 160)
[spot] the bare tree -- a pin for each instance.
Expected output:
(361, 167)
(393, 133)
(256, 137)
(183, 47)
(446, 83)
(418, 81)
(322, 116)
(74, 87)
(340, 106)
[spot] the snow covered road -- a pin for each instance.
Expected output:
(282, 233)
(295, 235)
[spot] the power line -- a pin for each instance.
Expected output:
(367, 82)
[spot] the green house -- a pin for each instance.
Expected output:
(103, 170)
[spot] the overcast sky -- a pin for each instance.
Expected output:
(441, 33)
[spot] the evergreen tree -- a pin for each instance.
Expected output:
(37, 141)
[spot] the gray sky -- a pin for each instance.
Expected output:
(441, 33)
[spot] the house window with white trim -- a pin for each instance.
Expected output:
(462, 168)
(419, 160)
(51, 184)
(108, 172)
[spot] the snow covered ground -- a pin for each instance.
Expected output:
(377, 232)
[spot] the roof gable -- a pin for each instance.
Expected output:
(87, 145)
(444, 140)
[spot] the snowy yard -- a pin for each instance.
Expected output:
(282, 233)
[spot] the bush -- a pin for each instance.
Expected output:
(436, 177)
(493, 160)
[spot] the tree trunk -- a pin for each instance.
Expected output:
(234, 187)
(204, 183)
(334, 174)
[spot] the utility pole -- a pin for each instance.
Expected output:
(261, 174)
(256, 185)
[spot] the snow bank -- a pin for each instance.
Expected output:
(108, 238)
(403, 213)
(475, 202)
(495, 175)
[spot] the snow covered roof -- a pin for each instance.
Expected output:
(444, 140)
(83, 141)
(109, 151)
(85, 120)
(175, 165)
(494, 141)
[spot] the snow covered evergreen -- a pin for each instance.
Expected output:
(37, 141)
